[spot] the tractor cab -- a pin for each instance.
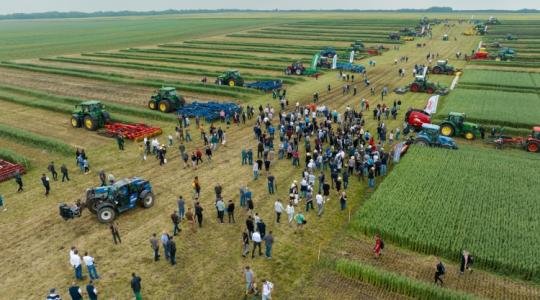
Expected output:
(455, 125)
(536, 132)
(328, 52)
(429, 136)
(90, 114)
(231, 78)
(456, 118)
(166, 100)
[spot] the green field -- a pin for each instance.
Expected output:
(32, 38)
(494, 107)
(501, 80)
(448, 204)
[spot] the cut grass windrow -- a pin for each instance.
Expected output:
(305, 38)
(241, 49)
(14, 157)
(393, 282)
(168, 69)
(186, 61)
(325, 30)
(114, 77)
(211, 54)
(35, 140)
(322, 34)
(265, 45)
(71, 101)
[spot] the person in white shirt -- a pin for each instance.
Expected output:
(256, 238)
(320, 204)
(278, 207)
(75, 261)
(267, 290)
(89, 262)
(290, 212)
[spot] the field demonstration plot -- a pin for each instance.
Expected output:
(500, 80)
(492, 107)
(437, 212)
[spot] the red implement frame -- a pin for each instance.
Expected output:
(8, 169)
(135, 132)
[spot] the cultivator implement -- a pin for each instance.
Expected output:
(136, 132)
(9, 169)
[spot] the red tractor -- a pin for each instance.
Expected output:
(296, 68)
(530, 143)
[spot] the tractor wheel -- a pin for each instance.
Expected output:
(436, 70)
(106, 214)
(447, 130)
(298, 72)
(90, 123)
(469, 136)
(152, 105)
(75, 122)
(414, 88)
(164, 106)
(148, 200)
(232, 83)
(430, 90)
(533, 147)
(421, 142)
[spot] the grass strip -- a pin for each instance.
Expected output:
(16, 158)
(305, 38)
(210, 54)
(28, 138)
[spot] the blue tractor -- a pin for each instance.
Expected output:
(109, 201)
(430, 136)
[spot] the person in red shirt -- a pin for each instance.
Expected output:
(378, 246)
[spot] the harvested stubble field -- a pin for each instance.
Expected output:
(210, 264)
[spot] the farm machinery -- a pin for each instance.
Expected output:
(358, 46)
(415, 118)
(430, 136)
(455, 125)
(422, 85)
(394, 36)
(347, 66)
(233, 78)
(93, 116)
(299, 69)
(166, 100)
(328, 52)
(493, 21)
(208, 110)
(530, 143)
(109, 201)
(9, 169)
(90, 114)
(443, 67)
(481, 53)
(445, 37)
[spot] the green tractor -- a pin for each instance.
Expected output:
(166, 100)
(455, 125)
(358, 46)
(443, 67)
(506, 54)
(422, 85)
(230, 78)
(90, 115)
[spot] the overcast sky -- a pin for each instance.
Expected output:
(27, 6)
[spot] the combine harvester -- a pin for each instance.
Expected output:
(92, 116)
(233, 78)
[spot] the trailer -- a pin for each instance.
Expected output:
(136, 132)
(266, 86)
(9, 169)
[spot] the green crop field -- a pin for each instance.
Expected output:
(448, 204)
(494, 107)
(500, 79)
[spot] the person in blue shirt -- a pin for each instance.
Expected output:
(75, 292)
(91, 290)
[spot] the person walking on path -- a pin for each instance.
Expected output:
(90, 266)
(290, 212)
(245, 243)
(250, 225)
(115, 233)
(379, 246)
(190, 219)
(249, 279)
(18, 180)
(466, 262)
(46, 184)
(439, 271)
(256, 238)
(136, 286)
(75, 292)
(320, 204)
(51, 168)
(155, 246)
(164, 243)
(91, 291)
(278, 207)
(181, 207)
(230, 211)
(64, 170)
(75, 261)
(268, 243)
(120, 141)
(220, 207)
(271, 184)
(175, 220)
(196, 187)
(199, 213)
(343, 201)
(300, 221)
(172, 250)
(267, 288)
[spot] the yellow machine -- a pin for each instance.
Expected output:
(407, 38)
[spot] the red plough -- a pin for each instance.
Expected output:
(135, 132)
(8, 169)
